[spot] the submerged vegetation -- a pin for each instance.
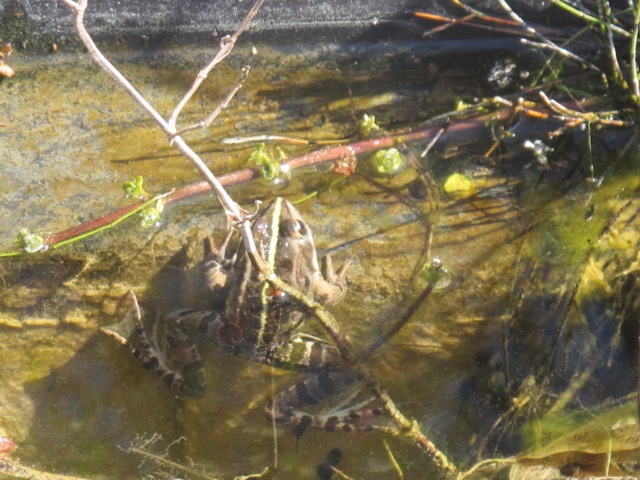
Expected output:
(495, 251)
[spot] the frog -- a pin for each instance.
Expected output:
(256, 322)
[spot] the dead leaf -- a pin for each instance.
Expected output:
(6, 70)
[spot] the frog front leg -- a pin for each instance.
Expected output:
(331, 286)
(217, 266)
(178, 365)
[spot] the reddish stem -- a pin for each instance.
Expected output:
(318, 156)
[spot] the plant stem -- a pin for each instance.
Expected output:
(633, 54)
(587, 17)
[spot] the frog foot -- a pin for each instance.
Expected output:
(285, 407)
(332, 286)
(217, 266)
(181, 370)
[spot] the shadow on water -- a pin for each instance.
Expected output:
(88, 411)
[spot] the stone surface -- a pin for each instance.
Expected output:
(288, 21)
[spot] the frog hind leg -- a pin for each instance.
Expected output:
(285, 407)
(182, 328)
(180, 369)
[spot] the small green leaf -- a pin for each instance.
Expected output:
(133, 188)
(458, 185)
(459, 105)
(387, 161)
(437, 274)
(270, 166)
(30, 242)
(367, 125)
(150, 216)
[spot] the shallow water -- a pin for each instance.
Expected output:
(519, 243)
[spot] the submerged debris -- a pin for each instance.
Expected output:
(6, 447)
(6, 70)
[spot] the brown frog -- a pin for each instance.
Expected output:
(258, 322)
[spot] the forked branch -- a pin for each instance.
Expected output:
(226, 45)
(232, 209)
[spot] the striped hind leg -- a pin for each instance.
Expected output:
(178, 365)
(286, 407)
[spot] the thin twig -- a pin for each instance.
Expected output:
(471, 20)
(567, 114)
(290, 139)
(274, 429)
(405, 427)
(633, 54)
(78, 9)
(340, 473)
(544, 41)
(226, 45)
(398, 325)
(233, 211)
(613, 57)
(561, 51)
(491, 465)
(480, 20)
(483, 16)
(221, 106)
(587, 17)
(392, 458)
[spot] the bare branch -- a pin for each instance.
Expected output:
(544, 41)
(407, 428)
(231, 207)
(221, 106)
(563, 52)
(226, 45)
(568, 115)
(632, 54)
(71, 4)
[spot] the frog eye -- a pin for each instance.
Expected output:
(260, 227)
(293, 228)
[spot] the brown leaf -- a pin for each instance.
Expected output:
(6, 50)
